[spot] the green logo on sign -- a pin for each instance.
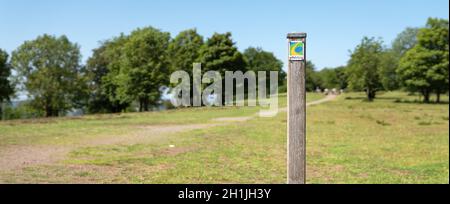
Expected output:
(296, 50)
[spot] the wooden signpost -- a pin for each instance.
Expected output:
(296, 127)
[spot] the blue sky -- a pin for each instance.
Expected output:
(333, 27)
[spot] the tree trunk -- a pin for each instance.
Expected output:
(438, 96)
(48, 111)
(370, 94)
(146, 104)
(426, 96)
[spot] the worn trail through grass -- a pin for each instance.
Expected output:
(20, 156)
(393, 139)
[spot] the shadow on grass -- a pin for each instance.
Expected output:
(397, 100)
(420, 102)
(367, 100)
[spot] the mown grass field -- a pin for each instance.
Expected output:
(391, 140)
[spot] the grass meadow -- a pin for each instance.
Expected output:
(394, 139)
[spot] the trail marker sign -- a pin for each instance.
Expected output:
(296, 125)
(296, 50)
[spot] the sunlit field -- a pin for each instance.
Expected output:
(391, 140)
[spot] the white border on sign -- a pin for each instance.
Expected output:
(296, 58)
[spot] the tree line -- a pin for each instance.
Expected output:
(123, 72)
(131, 70)
(417, 61)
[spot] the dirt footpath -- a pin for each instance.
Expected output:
(20, 156)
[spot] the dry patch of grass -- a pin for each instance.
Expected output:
(348, 141)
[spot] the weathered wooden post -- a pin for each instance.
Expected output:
(296, 127)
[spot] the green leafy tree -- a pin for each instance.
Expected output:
(6, 87)
(219, 53)
(184, 50)
(102, 69)
(312, 79)
(424, 68)
(363, 67)
(259, 60)
(387, 70)
(49, 68)
(342, 76)
(404, 41)
(111, 82)
(328, 78)
(144, 67)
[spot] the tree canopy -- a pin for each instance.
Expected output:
(144, 67)
(363, 67)
(184, 50)
(259, 60)
(102, 69)
(131, 69)
(424, 67)
(49, 68)
(6, 87)
(404, 41)
(221, 54)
